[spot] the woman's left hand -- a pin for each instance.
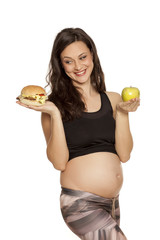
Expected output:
(129, 106)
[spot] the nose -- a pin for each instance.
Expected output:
(77, 65)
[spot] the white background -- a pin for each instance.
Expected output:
(126, 34)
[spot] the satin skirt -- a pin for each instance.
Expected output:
(91, 217)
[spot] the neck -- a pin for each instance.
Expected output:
(87, 90)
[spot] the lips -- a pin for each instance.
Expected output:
(81, 73)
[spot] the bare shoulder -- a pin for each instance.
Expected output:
(114, 98)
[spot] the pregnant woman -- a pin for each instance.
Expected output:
(88, 137)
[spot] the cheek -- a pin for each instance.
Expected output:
(91, 65)
(89, 62)
(68, 68)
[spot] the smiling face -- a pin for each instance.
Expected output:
(77, 62)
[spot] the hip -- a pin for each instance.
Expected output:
(79, 207)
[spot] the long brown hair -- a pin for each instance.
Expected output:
(64, 95)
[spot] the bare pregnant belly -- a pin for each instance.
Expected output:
(99, 173)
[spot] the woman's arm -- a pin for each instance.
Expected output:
(57, 150)
(123, 136)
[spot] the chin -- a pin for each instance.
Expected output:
(80, 82)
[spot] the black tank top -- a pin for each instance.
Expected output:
(92, 132)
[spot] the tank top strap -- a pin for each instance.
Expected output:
(106, 103)
(106, 107)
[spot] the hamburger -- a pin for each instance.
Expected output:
(33, 95)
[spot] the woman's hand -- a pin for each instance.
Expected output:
(129, 106)
(49, 107)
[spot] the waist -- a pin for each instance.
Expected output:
(91, 196)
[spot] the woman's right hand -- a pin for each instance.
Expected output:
(49, 107)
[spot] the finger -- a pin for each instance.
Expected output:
(22, 104)
(131, 105)
(135, 106)
(136, 100)
(133, 102)
(36, 108)
(126, 105)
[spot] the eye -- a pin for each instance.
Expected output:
(83, 57)
(68, 62)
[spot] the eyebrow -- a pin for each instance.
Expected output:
(78, 56)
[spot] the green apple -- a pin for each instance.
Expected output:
(129, 93)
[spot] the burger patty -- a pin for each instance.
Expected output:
(30, 98)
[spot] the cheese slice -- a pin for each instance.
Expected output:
(40, 99)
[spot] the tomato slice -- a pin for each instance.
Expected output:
(41, 94)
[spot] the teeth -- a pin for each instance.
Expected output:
(80, 73)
